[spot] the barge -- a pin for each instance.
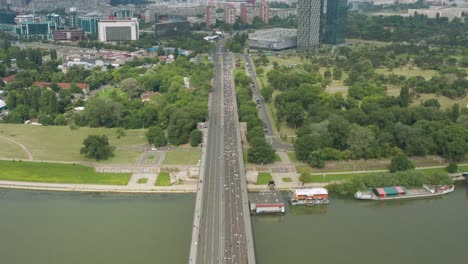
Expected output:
(308, 196)
(400, 192)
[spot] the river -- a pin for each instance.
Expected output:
(424, 231)
(59, 227)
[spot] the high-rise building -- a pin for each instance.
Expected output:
(89, 22)
(336, 22)
(118, 30)
(210, 15)
(248, 13)
(73, 18)
(265, 11)
(308, 17)
(229, 14)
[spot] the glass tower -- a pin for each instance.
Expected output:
(336, 22)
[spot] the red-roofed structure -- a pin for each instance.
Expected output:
(9, 78)
(82, 86)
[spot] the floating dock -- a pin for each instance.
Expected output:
(270, 202)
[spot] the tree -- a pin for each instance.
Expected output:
(317, 158)
(155, 136)
(261, 153)
(452, 167)
(337, 73)
(404, 96)
(401, 162)
(196, 137)
(97, 147)
(360, 140)
(131, 87)
(267, 93)
(176, 53)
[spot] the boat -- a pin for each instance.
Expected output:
(400, 192)
(308, 196)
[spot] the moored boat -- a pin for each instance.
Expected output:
(400, 192)
(308, 196)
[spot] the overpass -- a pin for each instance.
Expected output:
(222, 231)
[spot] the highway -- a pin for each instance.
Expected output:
(224, 229)
(274, 141)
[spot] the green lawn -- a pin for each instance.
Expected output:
(292, 156)
(182, 157)
(426, 74)
(164, 179)
(58, 173)
(142, 180)
(10, 150)
(60, 143)
(264, 178)
(287, 179)
(277, 158)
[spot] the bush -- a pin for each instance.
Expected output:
(452, 167)
(401, 162)
(409, 179)
(196, 137)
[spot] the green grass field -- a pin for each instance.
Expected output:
(426, 74)
(183, 157)
(142, 180)
(445, 102)
(10, 150)
(292, 156)
(60, 143)
(287, 179)
(164, 179)
(58, 173)
(264, 178)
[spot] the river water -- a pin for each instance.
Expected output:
(424, 231)
(54, 227)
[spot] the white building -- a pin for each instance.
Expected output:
(440, 11)
(118, 30)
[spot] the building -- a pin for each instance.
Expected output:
(171, 29)
(89, 22)
(282, 13)
(7, 17)
(273, 39)
(440, 11)
(2, 105)
(76, 34)
(336, 22)
(29, 26)
(122, 13)
(270, 202)
(180, 9)
(230, 14)
(248, 13)
(210, 15)
(73, 18)
(264, 11)
(308, 18)
(54, 18)
(118, 30)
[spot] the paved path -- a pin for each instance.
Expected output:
(132, 188)
(26, 150)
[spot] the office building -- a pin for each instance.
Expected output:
(118, 30)
(76, 34)
(89, 22)
(264, 11)
(308, 18)
(336, 22)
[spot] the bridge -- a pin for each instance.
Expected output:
(222, 231)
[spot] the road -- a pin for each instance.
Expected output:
(274, 141)
(224, 231)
